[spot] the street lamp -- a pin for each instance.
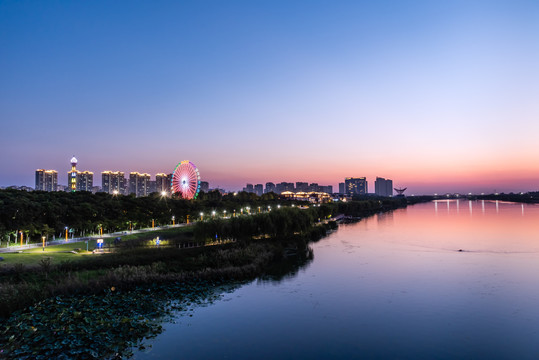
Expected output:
(278, 206)
(201, 216)
(224, 214)
(163, 193)
(66, 234)
(213, 213)
(43, 238)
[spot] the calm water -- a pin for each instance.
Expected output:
(391, 286)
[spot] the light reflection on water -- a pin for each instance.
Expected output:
(391, 286)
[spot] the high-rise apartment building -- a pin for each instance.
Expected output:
(85, 181)
(284, 186)
(249, 188)
(259, 189)
(383, 187)
(356, 186)
(314, 187)
(113, 182)
(162, 182)
(139, 184)
(302, 186)
(204, 186)
(270, 187)
(341, 189)
(46, 180)
(326, 189)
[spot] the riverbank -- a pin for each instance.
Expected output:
(253, 246)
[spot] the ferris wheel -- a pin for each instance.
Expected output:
(186, 180)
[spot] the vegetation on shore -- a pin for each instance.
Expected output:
(44, 300)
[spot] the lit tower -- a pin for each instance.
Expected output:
(73, 175)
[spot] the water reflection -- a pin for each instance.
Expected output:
(387, 287)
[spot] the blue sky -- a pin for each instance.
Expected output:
(438, 95)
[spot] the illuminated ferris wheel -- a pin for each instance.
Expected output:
(186, 180)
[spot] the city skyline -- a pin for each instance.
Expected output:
(439, 97)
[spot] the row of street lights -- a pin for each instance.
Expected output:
(247, 210)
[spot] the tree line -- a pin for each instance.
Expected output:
(41, 213)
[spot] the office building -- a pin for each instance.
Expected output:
(383, 187)
(113, 182)
(46, 180)
(356, 186)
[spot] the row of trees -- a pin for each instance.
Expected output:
(279, 223)
(40, 213)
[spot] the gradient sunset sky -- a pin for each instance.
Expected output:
(440, 96)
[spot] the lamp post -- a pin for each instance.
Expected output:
(173, 220)
(43, 238)
(201, 216)
(66, 233)
(213, 213)
(20, 232)
(153, 223)
(224, 214)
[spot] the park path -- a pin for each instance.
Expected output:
(86, 238)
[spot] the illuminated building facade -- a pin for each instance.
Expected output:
(162, 182)
(113, 182)
(312, 196)
(356, 186)
(73, 175)
(85, 181)
(139, 184)
(46, 180)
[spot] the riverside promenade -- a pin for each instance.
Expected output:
(60, 241)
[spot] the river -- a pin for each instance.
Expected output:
(441, 280)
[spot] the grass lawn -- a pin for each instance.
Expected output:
(62, 252)
(57, 253)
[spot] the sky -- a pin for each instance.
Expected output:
(440, 96)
